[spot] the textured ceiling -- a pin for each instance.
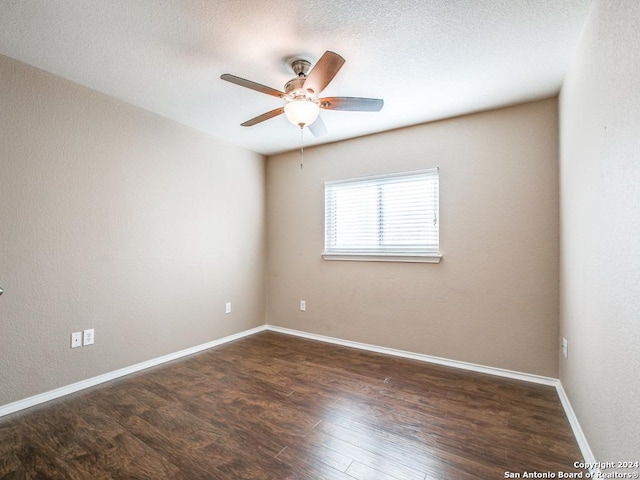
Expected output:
(427, 59)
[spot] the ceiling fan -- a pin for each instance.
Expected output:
(301, 94)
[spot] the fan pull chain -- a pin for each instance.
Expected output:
(301, 146)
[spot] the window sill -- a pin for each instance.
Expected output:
(379, 257)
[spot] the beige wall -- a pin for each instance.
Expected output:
(600, 236)
(116, 219)
(493, 300)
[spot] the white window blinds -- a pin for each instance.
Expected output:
(383, 215)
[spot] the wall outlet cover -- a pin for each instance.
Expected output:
(76, 339)
(89, 337)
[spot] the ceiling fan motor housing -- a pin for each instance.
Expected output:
(294, 85)
(295, 90)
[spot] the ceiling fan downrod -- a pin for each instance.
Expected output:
(300, 67)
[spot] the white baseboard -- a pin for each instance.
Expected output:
(527, 377)
(587, 454)
(90, 382)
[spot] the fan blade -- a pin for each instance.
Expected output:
(354, 104)
(323, 72)
(252, 85)
(318, 128)
(263, 117)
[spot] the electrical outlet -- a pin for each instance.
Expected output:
(76, 339)
(89, 337)
(303, 306)
(227, 307)
(565, 348)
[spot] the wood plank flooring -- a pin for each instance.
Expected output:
(272, 406)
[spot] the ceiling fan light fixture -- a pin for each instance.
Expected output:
(302, 112)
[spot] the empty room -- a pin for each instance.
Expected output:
(367, 240)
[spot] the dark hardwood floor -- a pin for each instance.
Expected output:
(272, 406)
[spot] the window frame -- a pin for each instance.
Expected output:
(410, 255)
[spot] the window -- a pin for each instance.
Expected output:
(387, 217)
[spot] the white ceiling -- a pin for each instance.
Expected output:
(428, 59)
